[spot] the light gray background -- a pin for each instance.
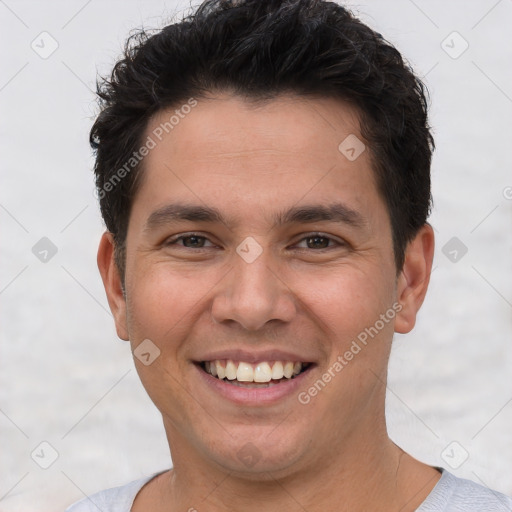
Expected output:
(65, 377)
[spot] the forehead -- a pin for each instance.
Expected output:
(247, 157)
(230, 127)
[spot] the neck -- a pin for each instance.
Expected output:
(355, 476)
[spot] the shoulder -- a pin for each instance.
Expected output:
(453, 494)
(116, 499)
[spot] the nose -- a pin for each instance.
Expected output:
(253, 294)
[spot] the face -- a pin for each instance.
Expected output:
(260, 252)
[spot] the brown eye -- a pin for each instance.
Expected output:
(318, 241)
(193, 241)
(190, 241)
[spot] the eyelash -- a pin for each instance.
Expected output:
(173, 241)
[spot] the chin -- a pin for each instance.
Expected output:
(260, 455)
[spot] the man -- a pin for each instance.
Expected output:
(263, 170)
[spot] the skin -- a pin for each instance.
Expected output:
(251, 162)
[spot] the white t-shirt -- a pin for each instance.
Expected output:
(451, 494)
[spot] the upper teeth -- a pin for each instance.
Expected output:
(259, 372)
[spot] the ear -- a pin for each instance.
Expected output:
(414, 278)
(112, 283)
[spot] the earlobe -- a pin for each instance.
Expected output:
(414, 278)
(112, 283)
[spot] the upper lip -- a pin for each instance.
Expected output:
(254, 356)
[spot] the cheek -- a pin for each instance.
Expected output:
(347, 300)
(162, 307)
(348, 306)
(161, 300)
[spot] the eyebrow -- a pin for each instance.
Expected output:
(308, 214)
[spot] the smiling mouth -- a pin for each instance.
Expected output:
(259, 375)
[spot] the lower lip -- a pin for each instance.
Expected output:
(254, 396)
